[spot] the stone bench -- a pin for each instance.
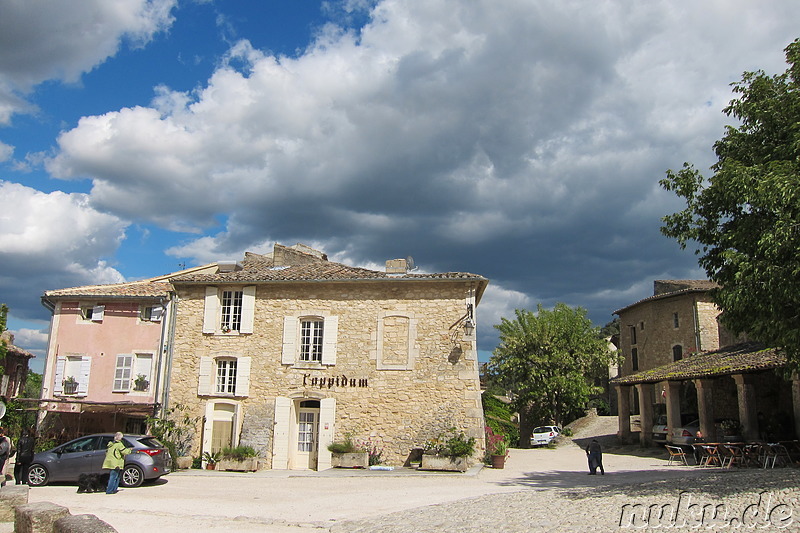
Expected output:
(38, 517)
(44, 517)
(12, 496)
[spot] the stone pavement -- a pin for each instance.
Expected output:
(539, 490)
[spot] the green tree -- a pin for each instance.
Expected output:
(3, 344)
(745, 220)
(549, 359)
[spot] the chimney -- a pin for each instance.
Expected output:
(396, 266)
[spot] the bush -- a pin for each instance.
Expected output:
(238, 453)
(346, 446)
(567, 432)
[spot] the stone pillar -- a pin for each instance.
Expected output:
(796, 403)
(748, 410)
(624, 413)
(705, 408)
(673, 390)
(646, 413)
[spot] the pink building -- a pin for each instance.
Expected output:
(103, 356)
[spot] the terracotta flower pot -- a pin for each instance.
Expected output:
(498, 461)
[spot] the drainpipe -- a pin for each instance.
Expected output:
(170, 342)
(161, 349)
(696, 325)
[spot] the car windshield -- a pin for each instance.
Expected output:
(543, 429)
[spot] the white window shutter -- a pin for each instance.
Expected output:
(280, 434)
(156, 314)
(58, 386)
(243, 376)
(330, 333)
(248, 309)
(206, 370)
(327, 420)
(210, 321)
(289, 353)
(83, 380)
(97, 313)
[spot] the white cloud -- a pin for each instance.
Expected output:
(52, 241)
(515, 139)
(43, 40)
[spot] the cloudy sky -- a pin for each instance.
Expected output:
(522, 140)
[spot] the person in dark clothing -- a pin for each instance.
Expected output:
(5, 452)
(25, 448)
(595, 454)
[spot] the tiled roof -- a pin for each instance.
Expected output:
(255, 270)
(735, 359)
(135, 289)
(684, 286)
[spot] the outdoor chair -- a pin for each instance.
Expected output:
(731, 455)
(676, 454)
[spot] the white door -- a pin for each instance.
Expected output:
(307, 438)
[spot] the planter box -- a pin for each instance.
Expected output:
(183, 462)
(350, 460)
(444, 462)
(249, 464)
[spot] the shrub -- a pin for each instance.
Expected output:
(346, 446)
(239, 452)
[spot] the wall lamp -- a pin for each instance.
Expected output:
(469, 322)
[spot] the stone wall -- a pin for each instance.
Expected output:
(437, 388)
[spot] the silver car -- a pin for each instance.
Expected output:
(148, 461)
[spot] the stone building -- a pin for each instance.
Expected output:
(287, 352)
(679, 361)
(15, 368)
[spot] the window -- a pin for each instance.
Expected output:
(72, 375)
(122, 373)
(641, 326)
(229, 310)
(151, 313)
(635, 358)
(633, 334)
(226, 376)
(675, 322)
(311, 340)
(677, 352)
(92, 313)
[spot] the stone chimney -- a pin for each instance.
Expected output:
(396, 266)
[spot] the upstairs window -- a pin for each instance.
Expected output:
(92, 313)
(229, 310)
(122, 373)
(675, 321)
(311, 340)
(151, 313)
(226, 376)
(633, 334)
(677, 352)
(72, 375)
(635, 358)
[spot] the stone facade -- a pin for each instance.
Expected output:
(399, 369)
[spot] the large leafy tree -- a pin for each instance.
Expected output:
(745, 219)
(549, 361)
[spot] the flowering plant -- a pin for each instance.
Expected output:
(374, 448)
(496, 443)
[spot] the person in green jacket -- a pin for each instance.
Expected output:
(115, 462)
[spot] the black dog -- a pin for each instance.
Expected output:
(90, 483)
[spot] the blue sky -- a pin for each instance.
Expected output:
(522, 140)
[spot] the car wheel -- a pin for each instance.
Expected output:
(132, 476)
(37, 475)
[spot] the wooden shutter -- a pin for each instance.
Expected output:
(210, 320)
(206, 370)
(280, 435)
(156, 313)
(243, 376)
(289, 353)
(248, 309)
(58, 385)
(97, 313)
(327, 418)
(83, 380)
(330, 332)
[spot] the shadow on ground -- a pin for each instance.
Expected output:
(711, 481)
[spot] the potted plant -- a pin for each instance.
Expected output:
(70, 385)
(141, 383)
(450, 453)
(239, 459)
(496, 448)
(731, 429)
(211, 458)
(346, 454)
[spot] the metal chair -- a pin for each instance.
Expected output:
(676, 454)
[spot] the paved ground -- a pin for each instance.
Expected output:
(539, 490)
